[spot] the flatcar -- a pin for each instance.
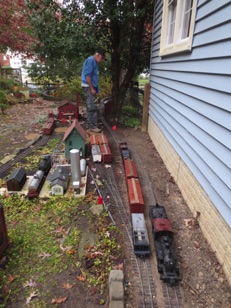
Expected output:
(45, 165)
(140, 236)
(135, 197)
(124, 151)
(106, 153)
(36, 184)
(164, 245)
(130, 168)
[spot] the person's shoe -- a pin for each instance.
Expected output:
(95, 130)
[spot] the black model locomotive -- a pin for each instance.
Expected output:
(164, 246)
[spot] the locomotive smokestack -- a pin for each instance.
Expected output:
(75, 169)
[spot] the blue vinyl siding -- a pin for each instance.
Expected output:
(190, 99)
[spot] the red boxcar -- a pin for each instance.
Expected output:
(106, 153)
(49, 126)
(130, 168)
(135, 198)
(102, 139)
(93, 140)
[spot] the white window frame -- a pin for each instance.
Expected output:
(175, 13)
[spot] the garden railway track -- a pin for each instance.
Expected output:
(145, 280)
(5, 168)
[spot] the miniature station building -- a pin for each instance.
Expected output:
(68, 110)
(59, 180)
(75, 138)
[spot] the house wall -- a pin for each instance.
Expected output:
(190, 119)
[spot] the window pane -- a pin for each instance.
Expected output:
(187, 19)
(172, 4)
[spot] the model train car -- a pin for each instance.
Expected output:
(124, 151)
(140, 235)
(45, 165)
(135, 197)
(50, 125)
(164, 246)
(36, 184)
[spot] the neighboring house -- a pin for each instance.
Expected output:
(59, 180)
(75, 138)
(190, 109)
(68, 110)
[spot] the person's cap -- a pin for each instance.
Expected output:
(102, 52)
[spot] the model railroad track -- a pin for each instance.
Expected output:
(143, 268)
(4, 169)
(143, 280)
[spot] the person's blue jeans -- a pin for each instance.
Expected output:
(92, 112)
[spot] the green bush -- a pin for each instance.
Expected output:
(3, 101)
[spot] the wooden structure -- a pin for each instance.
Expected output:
(16, 180)
(68, 110)
(75, 138)
(59, 180)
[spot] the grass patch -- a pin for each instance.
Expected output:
(44, 239)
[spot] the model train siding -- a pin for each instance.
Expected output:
(136, 202)
(130, 169)
(106, 153)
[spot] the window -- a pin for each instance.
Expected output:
(177, 26)
(70, 142)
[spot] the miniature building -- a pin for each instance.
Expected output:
(16, 180)
(3, 231)
(59, 180)
(67, 110)
(75, 138)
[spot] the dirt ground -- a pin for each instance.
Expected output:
(203, 281)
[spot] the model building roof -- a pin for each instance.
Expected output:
(75, 125)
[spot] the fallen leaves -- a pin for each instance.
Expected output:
(44, 255)
(30, 283)
(67, 285)
(11, 278)
(59, 300)
(32, 295)
(82, 277)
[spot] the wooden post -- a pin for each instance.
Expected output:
(145, 107)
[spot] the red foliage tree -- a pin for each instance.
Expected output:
(15, 33)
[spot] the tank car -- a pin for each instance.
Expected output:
(36, 184)
(164, 245)
(140, 235)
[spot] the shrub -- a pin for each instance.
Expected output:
(3, 101)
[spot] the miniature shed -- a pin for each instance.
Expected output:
(75, 138)
(16, 180)
(68, 110)
(59, 180)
